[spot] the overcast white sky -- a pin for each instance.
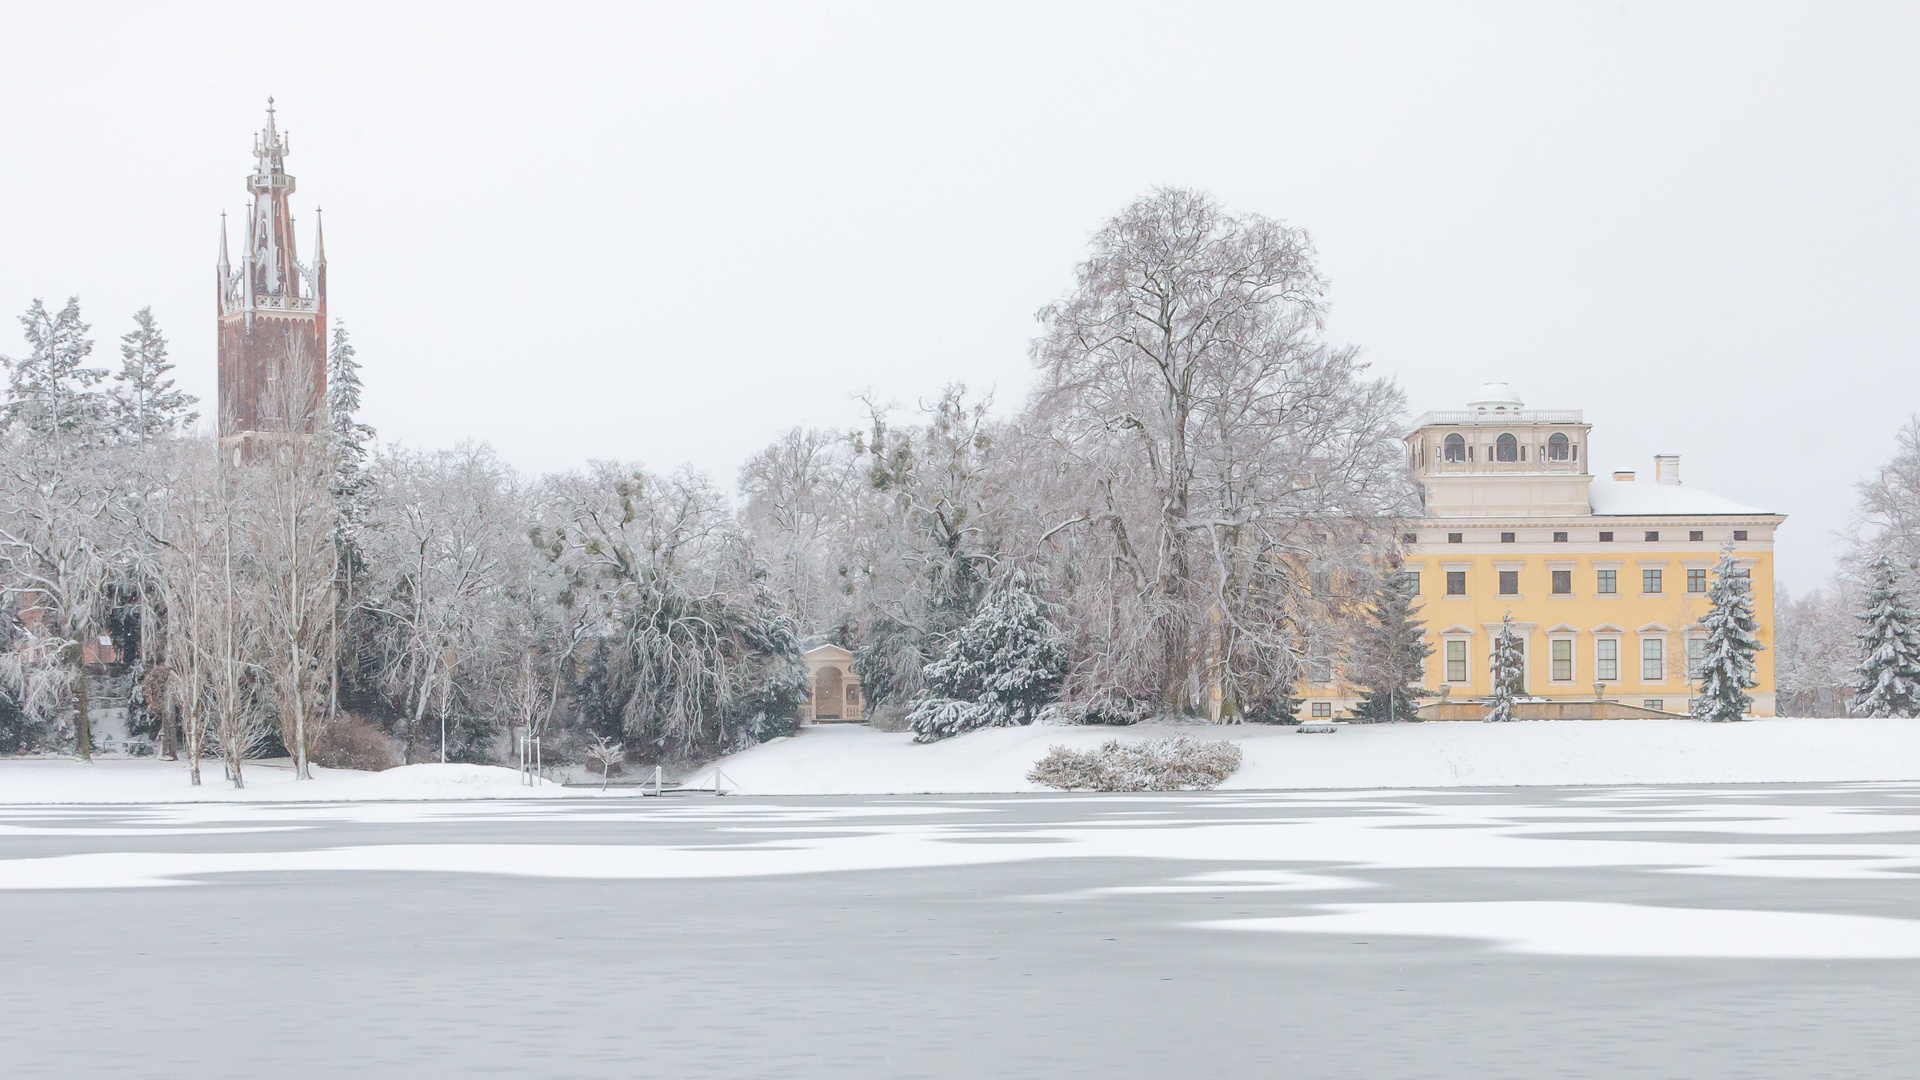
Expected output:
(667, 234)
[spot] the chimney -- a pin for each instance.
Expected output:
(1666, 468)
(1625, 476)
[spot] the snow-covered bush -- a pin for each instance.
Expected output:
(350, 742)
(1002, 669)
(1177, 764)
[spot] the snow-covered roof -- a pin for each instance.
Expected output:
(1495, 395)
(1641, 497)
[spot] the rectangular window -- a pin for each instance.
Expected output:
(1606, 659)
(1456, 583)
(1559, 538)
(1654, 703)
(1456, 661)
(1453, 538)
(1322, 709)
(1696, 581)
(1509, 583)
(1696, 656)
(1739, 534)
(1606, 538)
(1649, 581)
(1413, 581)
(1653, 660)
(1653, 537)
(1562, 660)
(1409, 538)
(1608, 582)
(1562, 582)
(1506, 538)
(1696, 536)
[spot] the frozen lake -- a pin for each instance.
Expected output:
(1704, 932)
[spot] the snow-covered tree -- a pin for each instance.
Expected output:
(1194, 438)
(1508, 671)
(144, 402)
(1727, 667)
(51, 392)
(1887, 680)
(1394, 653)
(351, 438)
(1001, 669)
(1815, 650)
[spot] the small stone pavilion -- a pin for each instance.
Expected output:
(835, 689)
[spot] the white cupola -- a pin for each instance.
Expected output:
(1495, 398)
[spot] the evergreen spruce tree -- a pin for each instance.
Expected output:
(50, 391)
(1004, 665)
(143, 401)
(1727, 668)
(351, 485)
(1508, 670)
(1887, 680)
(1394, 666)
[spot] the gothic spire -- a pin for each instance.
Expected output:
(319, 241)
(225, 266)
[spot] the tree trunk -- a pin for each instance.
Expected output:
(82, 723)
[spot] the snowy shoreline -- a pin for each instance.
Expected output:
(856, 760)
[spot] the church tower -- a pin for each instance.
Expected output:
(272, 311)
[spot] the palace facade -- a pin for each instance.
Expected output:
(1606, 577)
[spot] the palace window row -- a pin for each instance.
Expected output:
(1606, 582)
(1608, 657)
(1605, 536)
(1507, 447)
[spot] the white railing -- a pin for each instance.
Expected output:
(1488, 416)
(273, 303)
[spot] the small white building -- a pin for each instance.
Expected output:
(834, 690)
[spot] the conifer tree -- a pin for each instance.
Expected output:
(1887, 680)
(50, 391)
(144, 402)
(1005, 665)
(1727, 668)
(1508, 670)
(1394, 666)
(350, 437)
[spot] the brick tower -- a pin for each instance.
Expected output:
(272, 310)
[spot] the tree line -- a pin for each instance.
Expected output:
(1852, 645)
(1198, 506)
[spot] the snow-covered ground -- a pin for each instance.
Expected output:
(146, 780)
(857, 760)
(847, 759)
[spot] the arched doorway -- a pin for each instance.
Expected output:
(829, 696)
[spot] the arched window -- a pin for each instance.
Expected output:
(1556, 447)
(1506, 448)
(1456, 448)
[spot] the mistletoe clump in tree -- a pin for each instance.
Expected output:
(1727, 668)
(1508, 670)
(1395, 655)
(1003, 667)
(1887, 680)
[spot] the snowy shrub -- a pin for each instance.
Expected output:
(1003, 668)
(1177, 764)
(350, 742)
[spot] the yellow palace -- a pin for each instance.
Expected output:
(1606, 577)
